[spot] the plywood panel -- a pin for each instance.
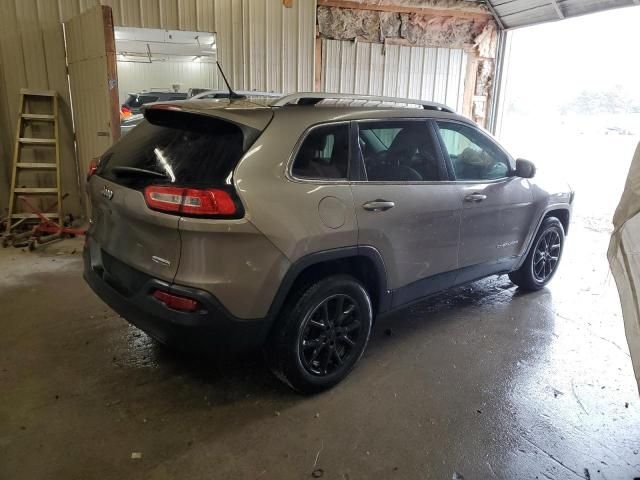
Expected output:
(91, 57)
(68, 9)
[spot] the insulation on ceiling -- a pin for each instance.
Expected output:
(447, 31)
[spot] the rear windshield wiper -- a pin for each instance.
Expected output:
(137, 172)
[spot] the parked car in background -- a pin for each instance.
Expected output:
(292, 224)
(135, 101)
(127, 124)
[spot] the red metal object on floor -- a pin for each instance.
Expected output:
(47, 225)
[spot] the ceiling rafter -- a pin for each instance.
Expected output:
(522, 13)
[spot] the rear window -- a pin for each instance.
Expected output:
(178, 148)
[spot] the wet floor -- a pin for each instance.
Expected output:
(481, 382)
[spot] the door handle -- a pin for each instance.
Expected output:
(475, 197)
(378, 205)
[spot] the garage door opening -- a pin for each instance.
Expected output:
(570, 103)
(162, 65)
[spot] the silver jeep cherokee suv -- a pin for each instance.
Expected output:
(291, 224)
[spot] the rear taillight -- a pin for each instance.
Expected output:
(210, 202)
(93, 166)
(125, 112)
(176, 302)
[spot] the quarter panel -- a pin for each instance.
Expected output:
(298, 217)
(233, 261)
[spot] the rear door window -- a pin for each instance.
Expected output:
(397, 151)
(182, 149)
(324, 153)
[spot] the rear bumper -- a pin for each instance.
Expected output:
(211, 329)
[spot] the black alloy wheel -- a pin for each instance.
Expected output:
(546, 255)
(541, 262)
(330, 334)
(321, 333)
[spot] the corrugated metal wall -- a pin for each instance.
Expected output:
(135, 77)
(435, 74)
(262, 45)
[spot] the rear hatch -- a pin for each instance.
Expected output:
(175, 163)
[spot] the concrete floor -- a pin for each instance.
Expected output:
(482, 382)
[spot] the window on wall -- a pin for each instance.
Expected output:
(400, 151)
(324, 153)
(473, 155)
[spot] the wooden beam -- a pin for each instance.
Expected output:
(436, 12)
(470, 84)
(558, 10)
(317, 81)
(495, 15)
(113, 100)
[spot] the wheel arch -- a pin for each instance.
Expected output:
(561, 212)
(362, 262)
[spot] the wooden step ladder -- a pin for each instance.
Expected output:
(46, 100)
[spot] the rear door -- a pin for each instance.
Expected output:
(497, 206)
(405, 206)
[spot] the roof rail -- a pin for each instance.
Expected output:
(312, 98)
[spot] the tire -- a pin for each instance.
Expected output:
(313, 347)
(544, 256)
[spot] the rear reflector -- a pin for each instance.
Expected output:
(176, 302)
(190, 201)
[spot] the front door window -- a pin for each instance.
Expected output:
(473, 156)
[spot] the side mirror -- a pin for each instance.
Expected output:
(525, 168)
